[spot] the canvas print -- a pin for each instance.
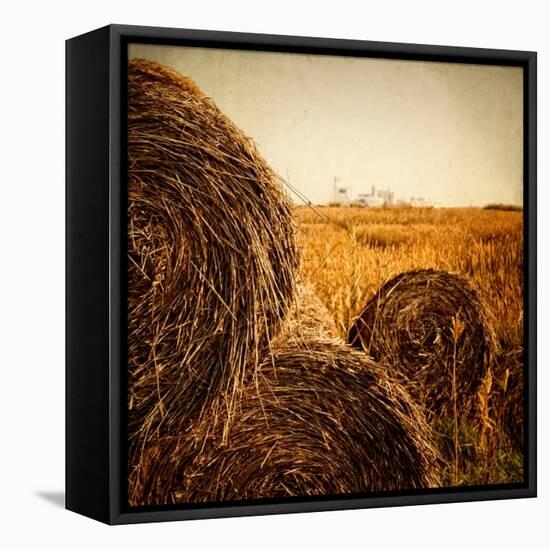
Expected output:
(325, 276)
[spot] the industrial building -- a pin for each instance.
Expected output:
(377, 197)
(342, 195)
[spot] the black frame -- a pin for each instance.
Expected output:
(96, 68)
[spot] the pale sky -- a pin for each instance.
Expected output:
(450, 133)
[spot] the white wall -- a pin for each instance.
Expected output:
(32, 274)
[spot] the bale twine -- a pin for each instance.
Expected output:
(211, 246)
(319, 419)
(429, 325)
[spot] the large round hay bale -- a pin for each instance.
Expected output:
(317, 419)
(434, 330)
(211, 246)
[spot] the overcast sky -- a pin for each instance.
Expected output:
(447, 132)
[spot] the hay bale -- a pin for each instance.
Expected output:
(309, 318)
(211, 246)
(424, 323)
(319, 419)
(514, 409)
(508, 399)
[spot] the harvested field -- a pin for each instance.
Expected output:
(240, 382)
(351, 253)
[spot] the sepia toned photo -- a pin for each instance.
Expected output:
(325, 276)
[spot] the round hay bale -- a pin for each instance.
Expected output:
(318, 419)
(429, 325)
(509, 397)
(211, 247)
(309, 318)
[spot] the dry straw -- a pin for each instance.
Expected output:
(510, 395)
(309, 318)
(319, 419)
(212, 252)
(436, 332)
(235, 388)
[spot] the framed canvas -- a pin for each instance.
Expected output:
(301, 274)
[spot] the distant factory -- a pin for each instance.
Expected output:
(376, 198)
(342, 193)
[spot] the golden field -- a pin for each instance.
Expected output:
(350, 252)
